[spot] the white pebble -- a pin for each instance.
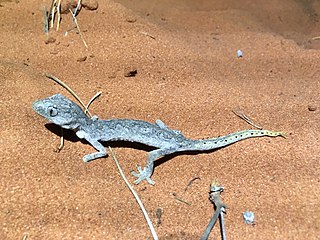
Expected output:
(239, 53)
(248, 217)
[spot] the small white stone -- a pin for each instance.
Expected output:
(248, 217)
(239, 53)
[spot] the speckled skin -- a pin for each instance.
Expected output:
(65, 113)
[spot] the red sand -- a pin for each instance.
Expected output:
(189, 76)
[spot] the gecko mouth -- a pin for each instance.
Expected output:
(36, 106)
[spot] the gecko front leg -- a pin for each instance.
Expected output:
(95, 143)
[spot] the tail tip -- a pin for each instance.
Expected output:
(281, 134)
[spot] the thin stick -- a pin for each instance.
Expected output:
(211, 224)
(76, 22)
(74, 14)
(69, 90)
(153, 231)
(190, 182)
(180, 199)
(222, 225)
(241, 115)
(58, 15)
(52, 12)
(77, 7)
(91, 100)
(148, 35)
(45, 20)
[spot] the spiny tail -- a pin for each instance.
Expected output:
(219, 142)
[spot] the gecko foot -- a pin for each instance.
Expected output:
(143, 175)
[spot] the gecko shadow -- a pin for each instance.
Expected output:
(166, 158)
(67, 134)
(70, 135)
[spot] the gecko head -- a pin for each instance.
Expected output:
(60, 110)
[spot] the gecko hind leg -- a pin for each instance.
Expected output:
(146, 172)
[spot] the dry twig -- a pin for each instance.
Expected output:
(69, 90)
(77, 25)
(190, 182)
(58, 15)
(153, 231)
(220, 208)
(241, 115)
(91, 100)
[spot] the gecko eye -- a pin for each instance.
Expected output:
(52, 111)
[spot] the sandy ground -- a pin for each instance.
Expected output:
(188, 75)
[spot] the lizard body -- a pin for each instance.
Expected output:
(67, 114)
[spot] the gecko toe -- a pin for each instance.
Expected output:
(137, 174)
(142, 175)
(141, 178)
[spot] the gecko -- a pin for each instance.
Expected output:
(61, 111)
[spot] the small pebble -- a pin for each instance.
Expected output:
(248, 217)
(130, 72)
(50, 40)
(131, 19)
(90, 4)
(239, 54)
(82, 59)
(312, 108)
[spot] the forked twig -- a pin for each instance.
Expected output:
(220, 208)
(69, 90)
(76, 97)
(91, 100)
